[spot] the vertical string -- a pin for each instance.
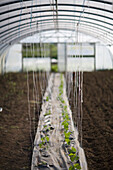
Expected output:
(81, 96)
(31, 14)
(28, 99)
(21, 5)
(34, 89)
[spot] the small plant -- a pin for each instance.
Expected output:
(72, 153)
(67, 134)
(74, 158)
(48, 113)
(54, 68)
(47, 98)
(42, 163)
(44, 140)
(75, 166)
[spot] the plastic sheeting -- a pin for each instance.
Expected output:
(54, 155)
(22, 18)
(100, 58)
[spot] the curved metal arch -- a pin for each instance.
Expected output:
(32, 33)
(45, 5)
(12, 2)
(101, 1)
(77, 21)
(18, 1)
(17, 33)
(59, 20)
(42, 11)
(44, 16)
(43, 23)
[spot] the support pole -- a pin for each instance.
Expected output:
(94, 56)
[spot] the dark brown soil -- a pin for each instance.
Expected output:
(98, 119)
(15, 128)
(15, 141)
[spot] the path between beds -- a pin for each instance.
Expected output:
(50, 150)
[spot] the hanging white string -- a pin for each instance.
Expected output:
(28, 98)
(21, 5)
(34, 89)
(81, 12)
(31, 14)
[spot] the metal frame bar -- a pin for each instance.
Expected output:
(43, 11)
(16, 34)
(45, 5)
(42, 23)
(26, 25)
(88, 23)
(44, 16)
(18, 1)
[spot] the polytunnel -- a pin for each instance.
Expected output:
(20, 19)
(56, 74)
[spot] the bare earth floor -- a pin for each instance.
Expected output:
(15, 142)
(98, 119)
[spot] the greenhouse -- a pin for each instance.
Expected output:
(56, 84)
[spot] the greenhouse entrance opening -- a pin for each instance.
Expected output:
(35, 55)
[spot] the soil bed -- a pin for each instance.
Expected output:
(15, 142)
(98, 119)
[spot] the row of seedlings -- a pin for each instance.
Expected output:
(68, 134)
(45, 133)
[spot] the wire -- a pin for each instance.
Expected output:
(21, 4)
(81, 12)
(31, 14)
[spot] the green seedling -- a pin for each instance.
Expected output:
(71, 168)
(42, 163)
(66, 126)
(49, 113)
(65, 107)
(72, 156)
(61, 99)
(40, 145)
(47, 98)
(63, 114)
(72, 150)
(66, 117)
(47, 138)
(60, 91)
(67, 140)
(67, 135)
(43, 139)
(75, 166)
(65, 123)
(61, 76)
(45, 126)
